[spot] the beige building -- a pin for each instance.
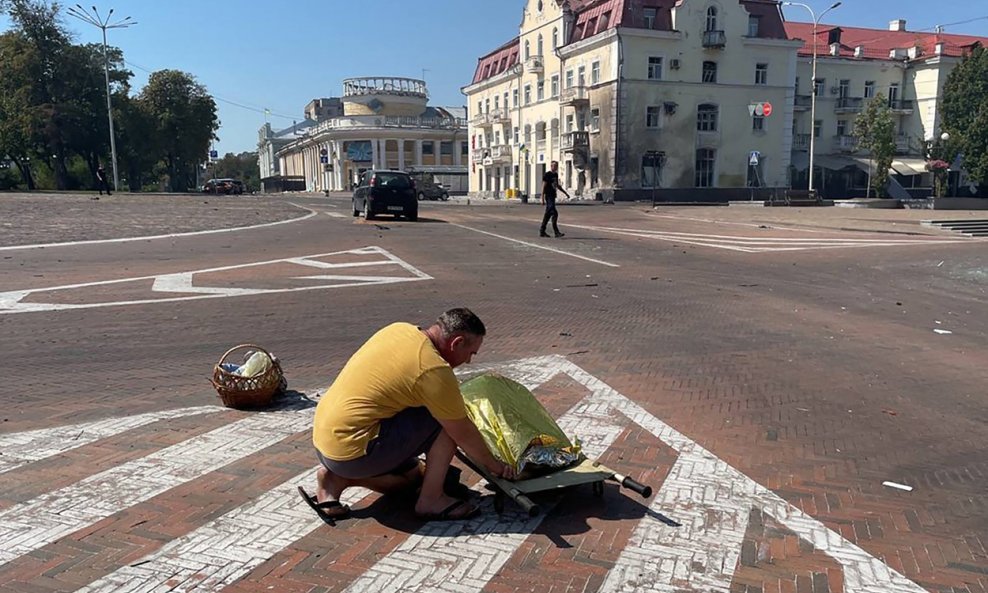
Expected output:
(636, 99)
(381, 123)
(855, 65)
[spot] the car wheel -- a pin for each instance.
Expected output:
(368, 215)
(445, 197)
(421, 196)
(412, 216)
(355, 211)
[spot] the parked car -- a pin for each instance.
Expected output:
(428, 189)
(223, 186)
(386, 192)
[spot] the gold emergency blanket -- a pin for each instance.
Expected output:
(515, 426)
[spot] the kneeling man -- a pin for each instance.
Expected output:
(395, 399)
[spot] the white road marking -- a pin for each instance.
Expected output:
(183, 283)
(537, 246)
(168, 236)
(30, 525)
(337, 215)
(21, 448)
(749, 244)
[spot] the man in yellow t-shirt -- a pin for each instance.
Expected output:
(396, 398)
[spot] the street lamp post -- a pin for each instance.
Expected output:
(103, 24)
(816, 23)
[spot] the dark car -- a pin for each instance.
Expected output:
(428, 189)
(223, 186)
(386, 192)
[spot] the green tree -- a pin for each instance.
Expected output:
(185, 123)
(875, 131)
(138, 146)
(241, 166)
(965, 113)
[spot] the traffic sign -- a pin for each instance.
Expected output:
(760, 109)
(324, 159)
(214, 154)
(753, 157)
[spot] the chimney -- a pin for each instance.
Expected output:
(939, 49)
(835, 49)
(897, 25)
(859, 51)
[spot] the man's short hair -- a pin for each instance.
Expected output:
(461, 321)
(554, 163)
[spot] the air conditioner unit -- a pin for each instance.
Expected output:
(674, 64)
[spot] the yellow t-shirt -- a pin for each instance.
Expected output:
(398, 368)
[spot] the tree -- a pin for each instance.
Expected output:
(965, 112)
(875, 130)
(185, 123)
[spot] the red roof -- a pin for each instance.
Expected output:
(879, 43)
(596, 16)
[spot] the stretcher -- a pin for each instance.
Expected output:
(511, 419)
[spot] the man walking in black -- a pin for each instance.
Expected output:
(550, 184)
(101, 181)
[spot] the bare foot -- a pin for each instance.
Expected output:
(329, 486)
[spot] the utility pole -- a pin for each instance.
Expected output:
(103, 24)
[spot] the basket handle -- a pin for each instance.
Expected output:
(235, 348)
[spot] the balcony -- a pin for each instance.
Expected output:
(901, 107)
(849, 105)
(803, 102)
(575, 96)
(500, 116)
(845, 143)
(573, 141)
(500, 154)
(482, 120)
(714, 39)
(902, 144)
(535, 65)
(801, 142)
(477, 155)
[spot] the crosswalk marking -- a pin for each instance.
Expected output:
(21, 448)
(30, 525)
(755, 244)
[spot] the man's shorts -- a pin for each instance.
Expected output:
(402, 438)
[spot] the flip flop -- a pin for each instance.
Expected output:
(453, 487)
(328, 511)
(447, 513)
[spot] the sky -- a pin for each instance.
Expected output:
(257, 54)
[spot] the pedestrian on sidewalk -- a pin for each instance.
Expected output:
(101, 181)
(550, 185)
(397, 397)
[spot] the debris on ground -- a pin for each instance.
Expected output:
(898, 486)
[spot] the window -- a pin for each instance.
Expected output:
(569, 79)
(446, 148)
(796, 87)
(505, 100)
(652, 169)
(893, 93)
(497, 103)
(652, 115)
(705, 158)
(758, 123)
(817, 128)
(540, 90)
(528, 94)
(581, 76)
(517, 135)
(753, 22)
(761, 73)
(528, 133)
(711, 19)
(595, 119)
(555, 38)
(595, 72)
(497, 138)
(428, 147)
(464, 148)
(655, 68)
(581, 120)
(480, 107)
(591, 27)
(528, 49)
(869, 89)
(554, 86)
(844, 88)
(538, 46)
(570, 123)
(487, 105)
(514, 97)
(605, 20)
(710, 72)
(821, 84)
(706, 118)
(650, 14)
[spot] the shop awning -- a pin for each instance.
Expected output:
(909, 167)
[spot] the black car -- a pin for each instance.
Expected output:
(386, 192)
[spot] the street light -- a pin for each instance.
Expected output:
(816, 22)
(103, 24)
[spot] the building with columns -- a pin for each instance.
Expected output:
(384, 123)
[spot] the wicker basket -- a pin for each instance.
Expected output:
(248, 392)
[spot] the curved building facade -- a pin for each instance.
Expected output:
(386, 123)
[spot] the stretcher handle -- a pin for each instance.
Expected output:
(524, 502)
(633, 484)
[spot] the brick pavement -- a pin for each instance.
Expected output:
(800, 370)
